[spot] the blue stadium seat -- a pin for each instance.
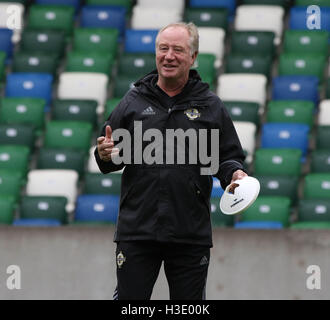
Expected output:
(30, 222)
(285, 135)
(298, 18)
(230, 5)
(104, 17)
(217, 190)
(73, 3)
(140, 41)
(296, 88)
(6, 43)
(32, 85)
(97, 208)
(258, 225)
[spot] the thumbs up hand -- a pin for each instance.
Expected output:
(105, 145)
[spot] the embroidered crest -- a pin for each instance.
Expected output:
(120, 259)
(192, 114)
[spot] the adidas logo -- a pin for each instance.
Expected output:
(148, 111)
(204, 261)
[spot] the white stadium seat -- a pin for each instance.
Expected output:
(177, 5)
(324, 113)
(11, 17)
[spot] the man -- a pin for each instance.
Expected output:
(164, 213)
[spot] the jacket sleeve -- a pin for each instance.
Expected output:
(231, 155)
(115, 121)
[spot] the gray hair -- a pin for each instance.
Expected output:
(192, 30)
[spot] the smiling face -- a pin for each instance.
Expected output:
(173, 55)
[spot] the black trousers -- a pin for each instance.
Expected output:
(139, 262)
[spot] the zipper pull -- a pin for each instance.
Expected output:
(169, 110)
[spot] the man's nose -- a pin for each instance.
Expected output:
(169, 54)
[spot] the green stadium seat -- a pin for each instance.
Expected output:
(279, 162)
(28, 111)
(49, 158)
(11, 183)
(98, 183)
(17, 134)
(282, 3)
(243, 111)
(96, 40)
(305, 3)
(267, 208)
(80, 61)
(75, 110)
(207, 17)
(68, 134)
(310, 225)
(313, 210)
(15, 158)
(44, 207)
(292, 111)
(322, 137)
(136, 65)
(286, 186)
(7, 209)
(122, 84)
(253, 42)
(317, 186)
(57, 17)
(43, 41)
(320, 161)
(204, 64)
(327, 89)
(302, 64)
(219, 219)
(2, 64)
(305, 41)
(248, 63)
(109, 106)
(35, 62)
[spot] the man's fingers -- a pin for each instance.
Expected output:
(100, 140)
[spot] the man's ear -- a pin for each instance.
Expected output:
(194, 56)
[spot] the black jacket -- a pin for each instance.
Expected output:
(171, 202)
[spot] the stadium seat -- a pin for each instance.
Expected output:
(124, 3)
(140, 41)
(110, 105)
(310, 225)
(43, 207)
(285, 135)
(7, 209)
(267, 208)
(260, 18)
(282, 3)
(212, 40)
(296, 88)
(15, 158)
(320, 161)
(243, 87)
(31, 222)
(230, 5)
(314, 210)
(178, 5)
(305, 41)
(83, 85)
(258, 225)
(23, 111)
(243, 63)
(98, 183)
(207, 17)
(149, 18)
(53, 182)
(11, 183)
(204, 64)
(253, 42)
(2, 65)
(217, 190)
(218, 219)
(322, 137)
(291, 111)
(43, 41)
(35, 62)
(58, 17)
(97, 208)
(17, 134)
(246, 132)
(100, 62)
(317, 186)
(302, 64)
(72, 3)
(321, 3)
(122, 84)
(132, 64)
(12, 17)
(68, 134)
(32, 85)
(74, 110)
(324, 113)
(103, 40)
(278, 185)
(6, 44)
(327, 89)
(61, 158)
(278, 162)
(243, 111)
(299, 17)
(104, 17)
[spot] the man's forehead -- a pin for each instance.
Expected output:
(174, 34)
